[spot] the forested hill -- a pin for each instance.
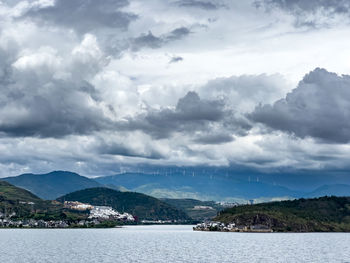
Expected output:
(25, 205)
(302, 215)
(10, 192)
(140, 205)
(196, 209)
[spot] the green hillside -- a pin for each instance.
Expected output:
(302, 215)
(26, 205)
(143, 206)
(12, 193)
(196, 209)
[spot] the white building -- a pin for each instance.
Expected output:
(107, 212)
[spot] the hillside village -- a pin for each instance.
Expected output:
(97, 216)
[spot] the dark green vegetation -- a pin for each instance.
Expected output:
(12, 193)
(52, 185)
(304, 215)
(191, 207)
(27, 205)
(140, 205)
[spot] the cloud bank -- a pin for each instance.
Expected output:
(93, 86)
(313, 13)
(319, 107)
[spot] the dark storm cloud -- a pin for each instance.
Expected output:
(120, 149)
(177, 34)
(302, 9)
(218, 138)
(191, 114)
(206, 5)
(176, 59)
(35, 105)
(84, 15)
(5, 70)
(65, 110)
(147, 40)
(191, 107)
(298, 6)
(319, 107)
(32, 103)
(151, 41)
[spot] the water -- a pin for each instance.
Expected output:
(168, 244)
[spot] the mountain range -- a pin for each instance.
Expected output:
(52, 185)
(175, 185)
(202, 187)
(149, 196)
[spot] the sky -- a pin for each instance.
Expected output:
(93, 86)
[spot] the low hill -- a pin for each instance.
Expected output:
(328, 190)
(12, 193)
(23, 204)
(143, 206)
(196, 209)
(331, 214)
(52, 185)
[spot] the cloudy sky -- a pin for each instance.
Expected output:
(95, 85)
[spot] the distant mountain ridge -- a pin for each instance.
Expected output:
(176, 185)
(334, 189)
(52, 185)
(202, 187)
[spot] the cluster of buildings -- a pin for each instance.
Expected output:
(99, 212)
(32, 223)
(233, 204)
(9, 215)
(202, 207)
(228, 204)
(158, 222)
(74, 205)
(26, 203)
(232, 227)
(10, 221)
(108, 213)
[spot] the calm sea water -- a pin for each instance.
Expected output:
(168, 244)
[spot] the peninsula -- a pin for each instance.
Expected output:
(324, 214)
